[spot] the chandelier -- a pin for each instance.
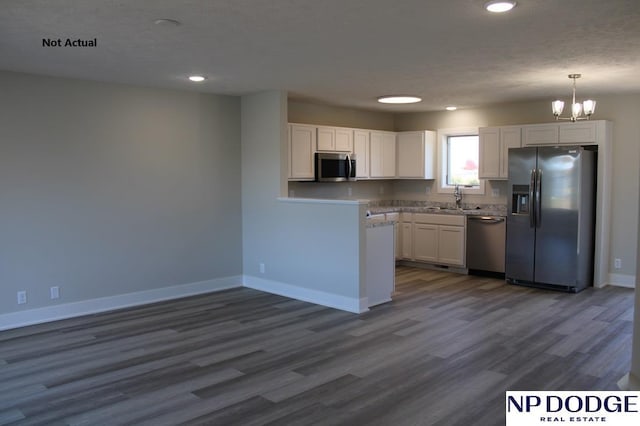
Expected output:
(587, 107)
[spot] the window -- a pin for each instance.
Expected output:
(458, 161)
(462, 161)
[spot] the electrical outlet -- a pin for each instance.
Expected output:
(617, 263)
(349, 191)
(22, 297)
(262, 268)
(381, 191)
(54, 292)
(495, 192)
(427, 189)
(292, 193)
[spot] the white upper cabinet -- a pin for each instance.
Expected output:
(302, 146)
(335, 139)
(580, 133)
(540, 134)
(361, 151)
(416, 154)
(326, 139)
(382, 153)
(344, 140)
(495, 143)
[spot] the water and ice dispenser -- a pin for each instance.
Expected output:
(520, 200)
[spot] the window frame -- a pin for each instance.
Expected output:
(442, 147)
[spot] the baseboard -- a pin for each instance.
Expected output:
(621, 280)
(331, 300)
(93, 306)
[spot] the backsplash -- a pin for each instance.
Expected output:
(400, 193)
(355, 190)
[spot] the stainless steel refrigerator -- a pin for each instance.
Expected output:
(551, 217)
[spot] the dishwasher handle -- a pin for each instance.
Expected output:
(486, 219)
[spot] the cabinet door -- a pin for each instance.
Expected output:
(344, 140)
(489, 155)
(326, 139)
(361, 150)
(398, 239)
(411, 155)
(425, 242)
(510, 137)
(389, 155)
(302, 146)
(375, 152)
(579, 133)
(451, 245)
(406, 251)
(540, 134)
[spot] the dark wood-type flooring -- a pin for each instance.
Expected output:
(442, 353)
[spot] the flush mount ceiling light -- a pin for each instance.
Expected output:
(399, 99)
(588, 106)
(451, 108)
(197, 78)
(499, 6)
(166, 22)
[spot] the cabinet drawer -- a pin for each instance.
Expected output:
(406, 217)
(439, 219)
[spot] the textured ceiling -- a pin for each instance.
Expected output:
(342, 52)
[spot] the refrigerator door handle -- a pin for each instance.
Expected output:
(532, 213)
(538, 197)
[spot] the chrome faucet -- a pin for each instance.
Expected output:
(457, 194)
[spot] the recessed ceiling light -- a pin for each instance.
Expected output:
(166, 22)
(500, 6)
(197, 78)
(399, 99)
(451, 108)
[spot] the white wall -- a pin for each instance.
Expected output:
(311, 251)
(108, 189)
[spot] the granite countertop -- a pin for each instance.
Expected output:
(476, 210)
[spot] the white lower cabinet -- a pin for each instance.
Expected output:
(434, 238)
(425, 242)
(451, 246)
(380, 265)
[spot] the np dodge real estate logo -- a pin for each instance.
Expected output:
(570, 408)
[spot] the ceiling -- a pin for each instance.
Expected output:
(339, 52)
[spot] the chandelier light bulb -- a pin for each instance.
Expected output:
(576, 110)
(589, 107)
(557, 107)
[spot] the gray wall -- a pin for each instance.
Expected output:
(308, 113)
(311, 246)
(108, 189)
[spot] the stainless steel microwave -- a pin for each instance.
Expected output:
(335, 167)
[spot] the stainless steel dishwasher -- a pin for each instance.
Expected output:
(486, 236)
